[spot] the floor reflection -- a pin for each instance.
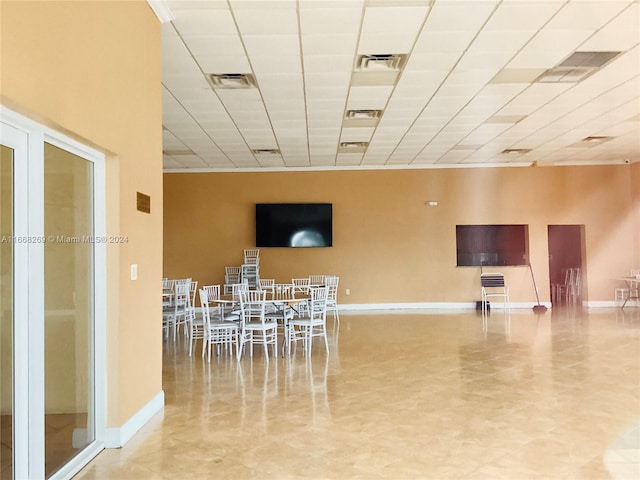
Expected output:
(429, 395)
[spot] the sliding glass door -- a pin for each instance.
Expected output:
(6, 313)
(51, 301)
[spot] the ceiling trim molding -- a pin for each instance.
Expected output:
(345, 168)
(162, 10)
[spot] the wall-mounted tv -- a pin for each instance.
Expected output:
(294, 225)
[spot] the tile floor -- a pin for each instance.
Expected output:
(406, 395)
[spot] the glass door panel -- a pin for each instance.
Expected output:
(6, 313)
(68, 305)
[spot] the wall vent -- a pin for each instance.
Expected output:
(577, 67)
(232, 80)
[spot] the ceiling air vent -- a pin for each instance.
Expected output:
(577, 67)
(232, 80)
(380, 62)
(265, 151)
(592, 141)
(515, 151)
(363, 114)
(353, 147)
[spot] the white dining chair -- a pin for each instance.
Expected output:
(215, 332)
(255, 328)
(305, 328)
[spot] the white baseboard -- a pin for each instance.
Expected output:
(430, 306)
(119, 436)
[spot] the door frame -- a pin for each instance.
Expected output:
(28, 275)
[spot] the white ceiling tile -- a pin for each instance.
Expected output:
(327, 63)
(338, 44)
(276, 64)
(522, 15)
(445, 98)
(224, 64)
(368, 97)
(329, 20)
(271, 45)
(204, 21)
(356, 134)
(485, 132)
(393, 19)
(379, 43)
(459, 16)
(212, 45)
(549, 47)
(256, 21)
(619, 35)
(590, 15)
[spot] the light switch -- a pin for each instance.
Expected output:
(134, 271)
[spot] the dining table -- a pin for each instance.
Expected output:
(278, 302)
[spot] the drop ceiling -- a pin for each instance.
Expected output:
(346, 84)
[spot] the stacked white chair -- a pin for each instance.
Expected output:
(231, 276)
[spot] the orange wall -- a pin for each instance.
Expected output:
(93, 70)
(389, 247)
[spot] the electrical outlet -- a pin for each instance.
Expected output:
(348, 291)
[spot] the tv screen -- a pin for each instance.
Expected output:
(294, 225)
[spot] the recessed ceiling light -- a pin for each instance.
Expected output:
(232, 80)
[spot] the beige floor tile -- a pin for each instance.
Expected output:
(434, 395)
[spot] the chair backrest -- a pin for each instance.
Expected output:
(266, 284)
(300, 285)
(252, 305)
(252, 256)
(204, 302)
(193, 290)
(489, 280)
(237, 289)
(231, 274)
(316, 279)
(331, 281)
(318, 302)
(167, 284)
(282, 291)
(181, 295)
(212, 291)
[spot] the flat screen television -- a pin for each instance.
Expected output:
(294, 225)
